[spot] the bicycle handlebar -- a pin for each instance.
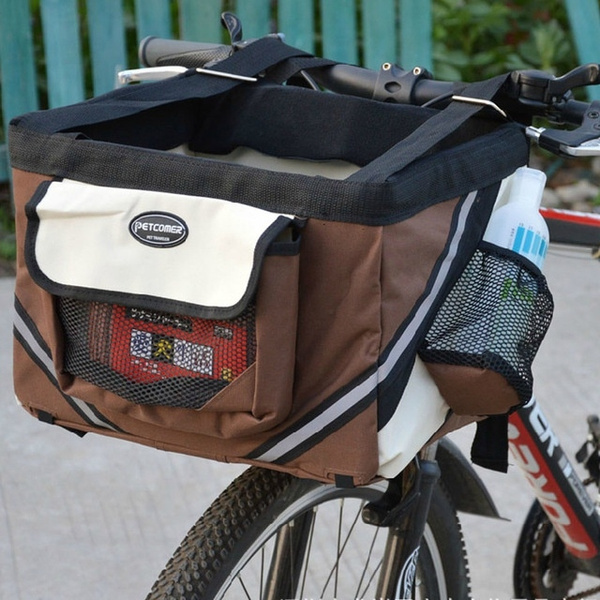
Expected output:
(340, 78)
(526, 94)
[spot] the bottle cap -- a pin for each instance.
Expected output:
(528, 185)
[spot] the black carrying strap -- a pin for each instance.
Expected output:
(433, 131)
(490, 444)
(296, 64)
(282, 61)
(261, 55)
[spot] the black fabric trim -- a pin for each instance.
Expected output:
(77, 432)
(141, 300)
(344, 481)
(45, 417)
(288, 247)
(513, 256)
(446, 174)
(490, 444)
(284, 248)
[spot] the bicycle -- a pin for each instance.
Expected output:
(269, 519)
(415, 548)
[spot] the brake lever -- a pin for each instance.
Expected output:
(579, 77)
(582, 141)
(539, 87)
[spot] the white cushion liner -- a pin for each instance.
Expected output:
(420, 414)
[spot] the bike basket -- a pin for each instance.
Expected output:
(246, 271)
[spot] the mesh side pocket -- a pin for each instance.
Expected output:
(495, 318)
(155, 358)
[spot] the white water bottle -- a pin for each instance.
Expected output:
(518, 224)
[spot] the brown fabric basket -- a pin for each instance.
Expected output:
(122, 326)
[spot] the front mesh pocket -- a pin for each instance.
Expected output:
(152, 357)
(495, 318)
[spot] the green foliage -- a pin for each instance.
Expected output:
(475, 39)
(8, 249)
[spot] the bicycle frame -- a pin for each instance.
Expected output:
(535, 447)
(537, 451)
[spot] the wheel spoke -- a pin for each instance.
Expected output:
(262, 571)
(333, 573)
(291, 549)
(338, 552)
(366, 567)
(246, 592)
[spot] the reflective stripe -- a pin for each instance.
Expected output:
(28, 337)
(412, 328)
(367, 387)
(324, 419)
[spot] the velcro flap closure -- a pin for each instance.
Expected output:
(194, 255)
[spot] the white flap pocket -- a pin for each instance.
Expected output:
(195, 255)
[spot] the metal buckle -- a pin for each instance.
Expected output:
(160, 73)
(489, 103)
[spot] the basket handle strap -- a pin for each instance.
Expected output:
(261, 55)
(430, 133)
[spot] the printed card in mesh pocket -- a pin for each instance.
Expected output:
(152, 357)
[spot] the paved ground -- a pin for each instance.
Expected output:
(97, 518)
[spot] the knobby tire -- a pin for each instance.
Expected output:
(277, 525)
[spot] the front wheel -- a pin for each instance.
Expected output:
(272, 536)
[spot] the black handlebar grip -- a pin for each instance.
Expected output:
(158, 52)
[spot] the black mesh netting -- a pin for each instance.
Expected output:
(494, 318)
(152, 357)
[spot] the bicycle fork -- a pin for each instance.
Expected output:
(405, 512)
(403, 509)
(558, 489)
